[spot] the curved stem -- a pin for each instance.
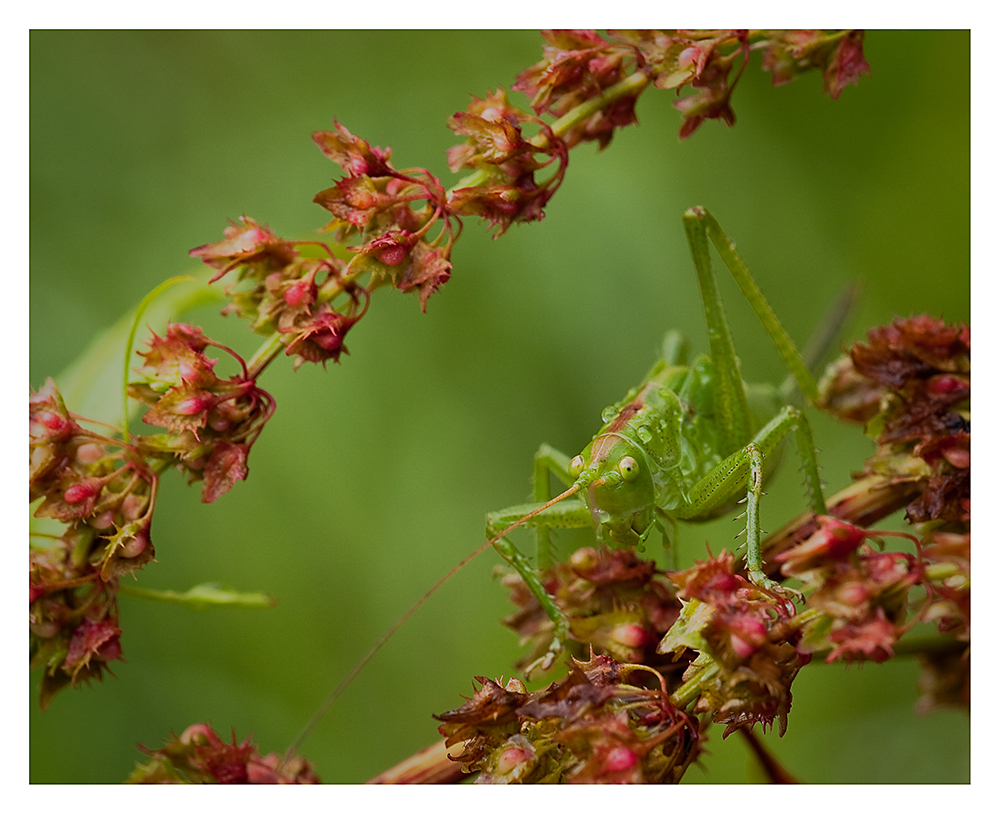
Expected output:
(630, 85)
(691, 689)
(265, 354)
(130, 342)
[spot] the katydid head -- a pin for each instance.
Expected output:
(616, 480)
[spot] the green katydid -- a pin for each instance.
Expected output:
(685, 444)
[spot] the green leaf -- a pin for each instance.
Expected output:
(92, 385)
(685, 633)
(202, 596)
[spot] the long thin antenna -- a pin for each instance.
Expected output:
(359, 666)
(824, 337)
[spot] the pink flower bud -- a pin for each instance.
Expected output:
(958, 457)
(134, 506)
(45, 630)
(741, 647)
(134, 546)
(357, 165)
(393, 255)
(109, 651)
(219, 422)
(946, 384)
(191, 406)
(620, 759)
(79, 492)
(853, 593)
(747, 635)
(631, 635)
(511, 758)
(200, 734)
(51, 421)
(250, 240)
(302, 292)
(187, 371)
(103, 521)
(688, 57)
(89, 453)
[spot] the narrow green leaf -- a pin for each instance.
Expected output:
(202, 596)
(92, 385)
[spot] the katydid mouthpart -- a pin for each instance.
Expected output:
(689, 443)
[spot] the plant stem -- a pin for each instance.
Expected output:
(630, 85)
(691, 689)
(776, 773)
(265, 354)
(429, 766)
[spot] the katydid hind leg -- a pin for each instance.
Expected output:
(699, 220)
(730, 405)
(789, 419)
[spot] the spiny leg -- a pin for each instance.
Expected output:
(547, 460)
(746, 465)
(729, 396)
(789, 419)
(700, 223)
(569, 513)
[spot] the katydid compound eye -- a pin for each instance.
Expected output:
(576, 466)
(629, 468)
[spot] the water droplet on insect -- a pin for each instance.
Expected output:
(608, 413)
(644, 433)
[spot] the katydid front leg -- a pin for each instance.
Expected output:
(747, 465)
(570, 513)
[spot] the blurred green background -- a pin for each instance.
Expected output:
(374, 476)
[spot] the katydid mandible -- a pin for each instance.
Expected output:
(687, 443)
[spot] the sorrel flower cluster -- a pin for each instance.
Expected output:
(103, 497)
(401, 225)
(590, 727)
(278, 290)
(211, 423)
(738, 647)
(102, 492)
(199, 755)
(746, 645)
(616, 603)
(593, 82)
(911, 385)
